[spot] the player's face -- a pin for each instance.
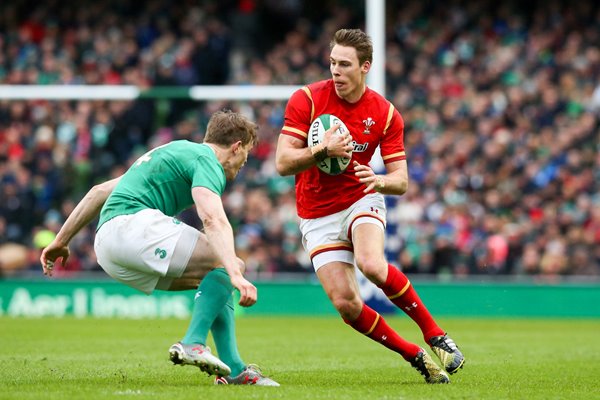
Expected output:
(348, 75)
(239, 158)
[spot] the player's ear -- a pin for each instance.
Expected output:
(236, 146)
(366, 66)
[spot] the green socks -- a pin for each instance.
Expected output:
(212, 295)
(223, 332)
(213, 310)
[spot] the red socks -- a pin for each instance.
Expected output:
(371, 324)
(398, 289)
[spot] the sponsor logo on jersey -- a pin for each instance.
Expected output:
(359, 147)
(368, 124)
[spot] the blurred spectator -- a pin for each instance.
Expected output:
(501, 103)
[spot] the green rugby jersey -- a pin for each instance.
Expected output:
(162, 179)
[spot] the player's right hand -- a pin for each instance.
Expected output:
(248, 292)
(338, 145)
(52, 253)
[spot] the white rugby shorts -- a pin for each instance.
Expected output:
(328, 239)
(145, 250)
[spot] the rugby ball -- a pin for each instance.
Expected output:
(330, 165)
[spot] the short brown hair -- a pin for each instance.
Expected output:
(357, 39)
(226, 127)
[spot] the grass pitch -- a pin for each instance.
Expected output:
(312, 358)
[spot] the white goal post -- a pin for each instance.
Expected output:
(375, 27)
(127, 92)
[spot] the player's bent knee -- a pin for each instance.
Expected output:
(374, 271)
(184, 284)
(349, 309)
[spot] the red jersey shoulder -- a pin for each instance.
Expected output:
(301, 111)
(298, 114)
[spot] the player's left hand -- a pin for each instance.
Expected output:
(52, 253)
(367, 176)
(338, 145)
(248, 292)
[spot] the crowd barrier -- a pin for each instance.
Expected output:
(109, 299)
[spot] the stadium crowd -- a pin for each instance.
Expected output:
(501, 103)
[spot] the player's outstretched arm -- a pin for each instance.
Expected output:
(88, 208)
(220, 237)
(394, 182)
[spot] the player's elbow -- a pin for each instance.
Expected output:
(399, 183)
(101, 190)
(283, 168)
(213, 222)
(403, 187)
(398, 187)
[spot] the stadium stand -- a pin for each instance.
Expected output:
(501, 103)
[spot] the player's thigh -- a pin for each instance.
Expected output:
(365, 223)
(368, 241)
(203, 259)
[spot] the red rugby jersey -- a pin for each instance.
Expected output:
(372, 121)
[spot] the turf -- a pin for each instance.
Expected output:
(312, 358)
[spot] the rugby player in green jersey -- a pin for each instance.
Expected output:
(140, 243)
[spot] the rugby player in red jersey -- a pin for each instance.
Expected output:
(342, 217)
